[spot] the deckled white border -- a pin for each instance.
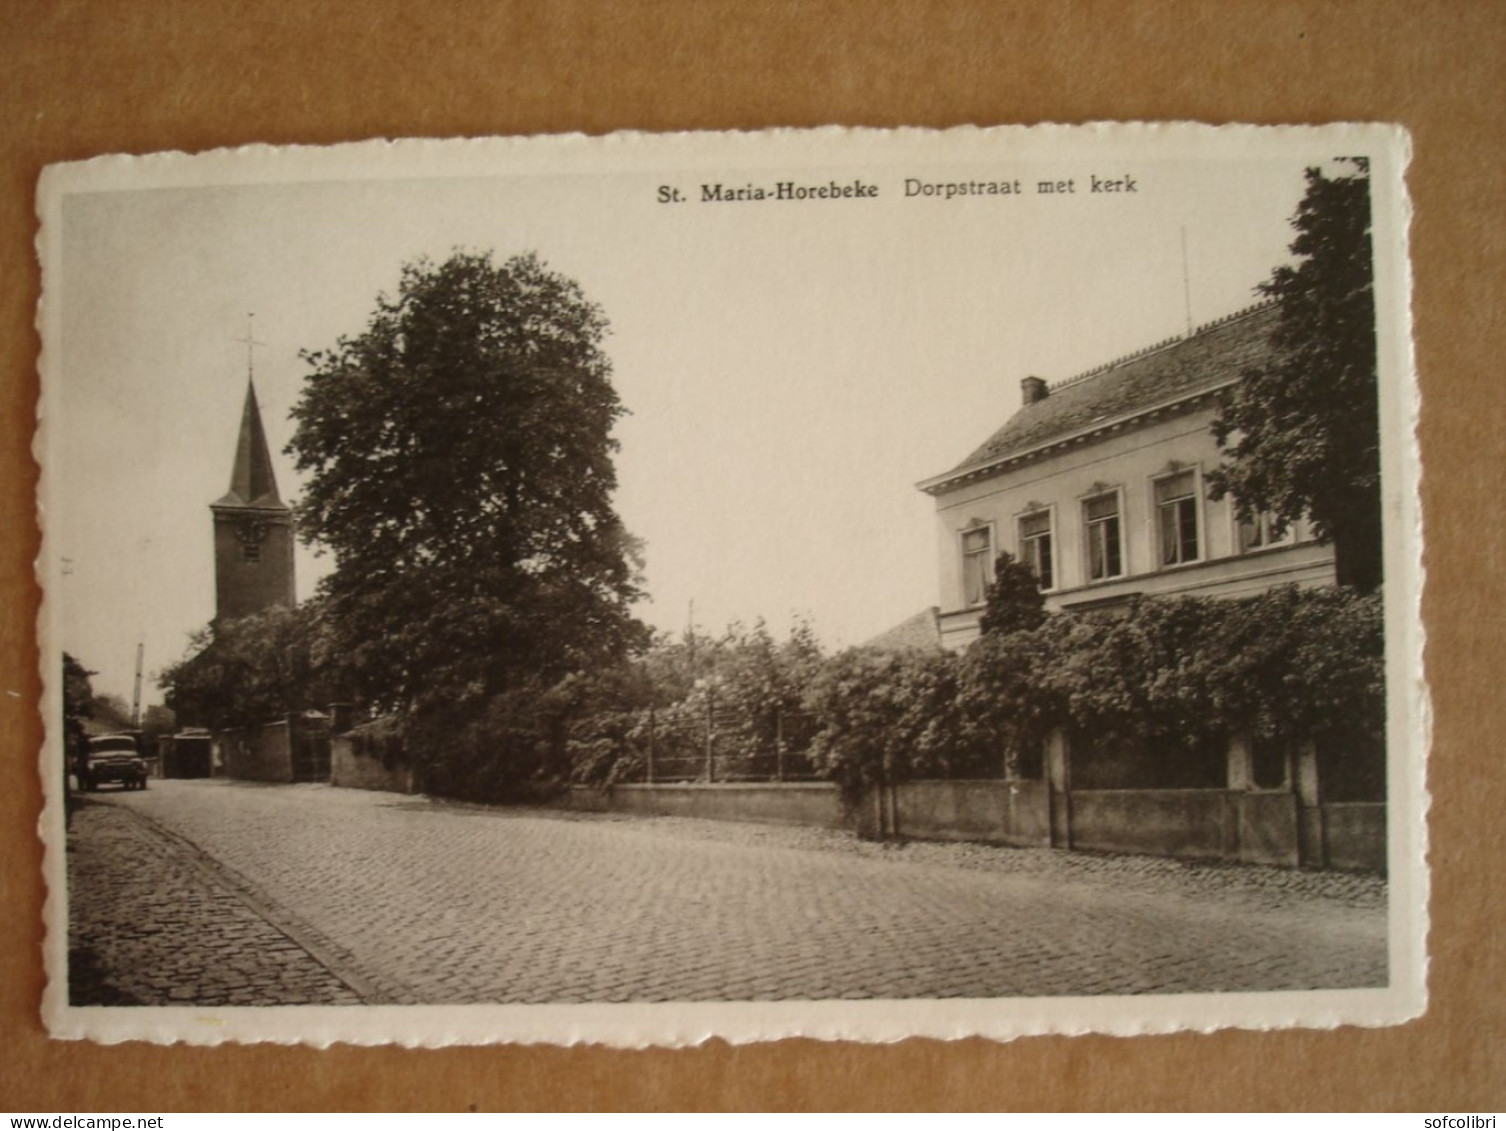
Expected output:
(678, 1024)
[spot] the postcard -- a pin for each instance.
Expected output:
(852, 584)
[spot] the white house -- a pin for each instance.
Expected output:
(1099, 483)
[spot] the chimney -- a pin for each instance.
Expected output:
(1032, 389)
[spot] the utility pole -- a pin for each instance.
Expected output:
(136, 694)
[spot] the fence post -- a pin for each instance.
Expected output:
(652, 737)
(779, 744)
(710, 732)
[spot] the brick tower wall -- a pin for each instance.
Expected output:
(242, 585)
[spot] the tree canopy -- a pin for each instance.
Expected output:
(459, 454)
(1014, 601)
(252, 670)
(1302, 433)
(78, 690)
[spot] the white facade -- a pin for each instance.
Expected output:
(1110, 508)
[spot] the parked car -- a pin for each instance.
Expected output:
(112, 757)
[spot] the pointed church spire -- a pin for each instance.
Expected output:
(253, 527)
(252, 482)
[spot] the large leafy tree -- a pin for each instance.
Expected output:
(459, 454)
(1302, 432)
(78, 690)
(78, 697)
(252, 670)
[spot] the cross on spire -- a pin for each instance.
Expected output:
(251, 342)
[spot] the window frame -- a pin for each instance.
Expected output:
(1053, 542)
(988, 555)
(1199, 517)
(1117, 493)
(1262, 518)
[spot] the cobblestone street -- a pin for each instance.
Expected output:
(213, 892)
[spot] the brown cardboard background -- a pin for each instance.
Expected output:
(83, 77)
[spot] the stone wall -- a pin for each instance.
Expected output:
(1355, 835)
(1160, 822)
(993, 812)
(776, 803)
(354, 766)
(263, 753)
(1286, 824)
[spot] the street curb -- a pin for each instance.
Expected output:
(334, 958)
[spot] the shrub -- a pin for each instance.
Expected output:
(1174, 673)
(884, 717)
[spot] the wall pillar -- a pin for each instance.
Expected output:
(1059, 783)
(1312, 836)
(1239, 780)
(1241, 772)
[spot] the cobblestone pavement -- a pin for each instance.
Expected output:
(416, 901)
(155, 924)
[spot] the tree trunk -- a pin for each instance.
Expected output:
(1357, 545)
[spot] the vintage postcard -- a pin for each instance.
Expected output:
(842, 583)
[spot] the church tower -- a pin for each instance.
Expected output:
(253, 528)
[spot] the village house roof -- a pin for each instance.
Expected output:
(1214, 356)
(919, 633)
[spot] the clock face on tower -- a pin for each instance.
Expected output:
(251, 531)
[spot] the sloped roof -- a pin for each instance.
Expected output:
(252, 483)
(920, 633)
(1211, 357)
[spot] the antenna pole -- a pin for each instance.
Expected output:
(1186, 283)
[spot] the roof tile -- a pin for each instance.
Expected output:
(1213, 356)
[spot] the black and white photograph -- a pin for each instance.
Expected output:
(639, 588)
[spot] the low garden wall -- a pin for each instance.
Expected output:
(1162, 822)
(263, 753)
(1355, 835)
(993, 812)
(1252, 827)
(775, 803)
(354, 765)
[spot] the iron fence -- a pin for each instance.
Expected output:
(722, 745)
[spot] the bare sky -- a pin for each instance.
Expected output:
(792, 368)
